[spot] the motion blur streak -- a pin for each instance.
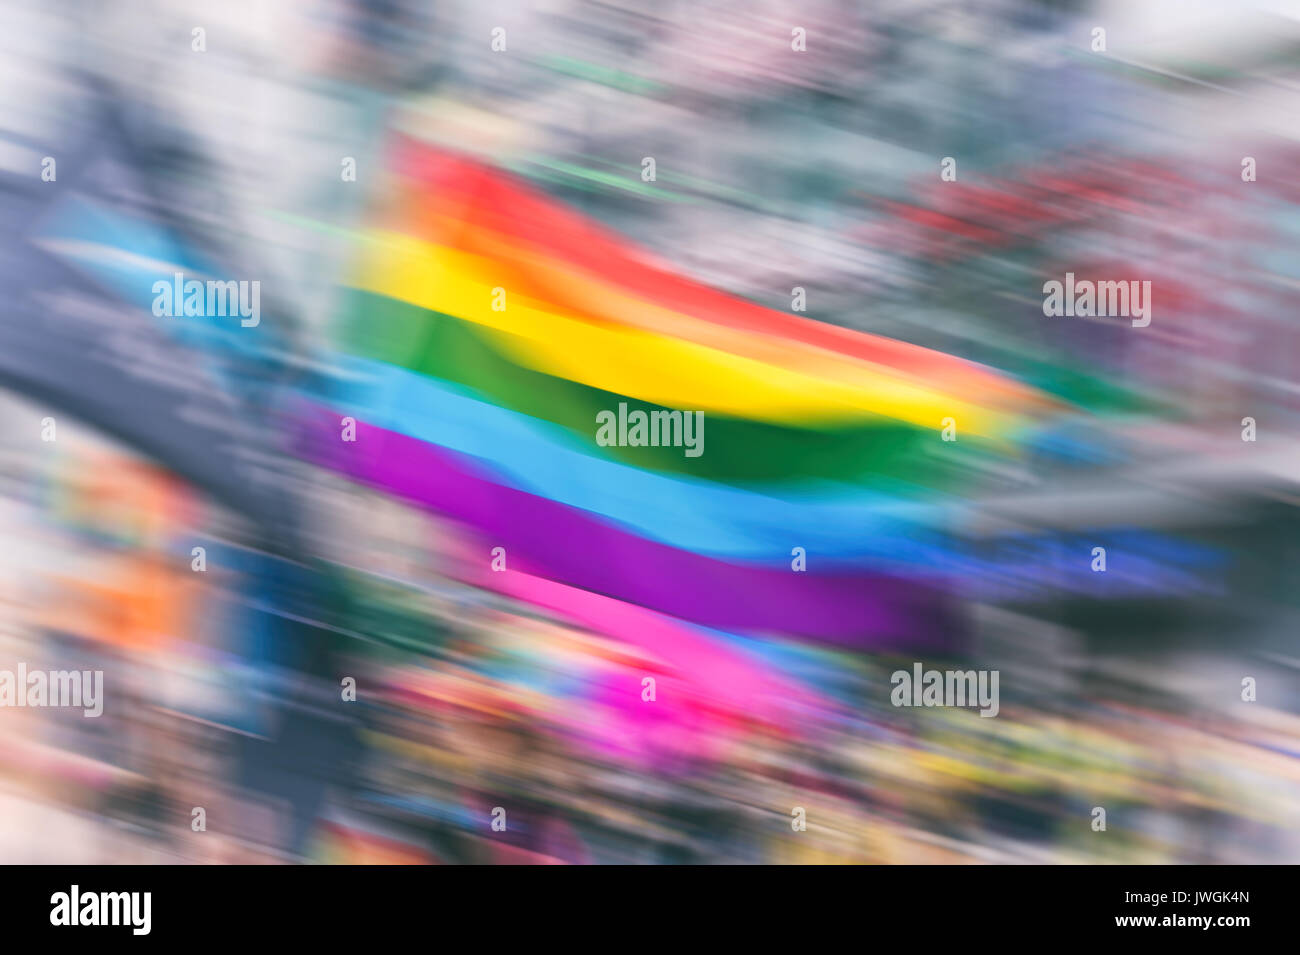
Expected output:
(633, 393)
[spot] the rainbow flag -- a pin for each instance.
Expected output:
(488, 334)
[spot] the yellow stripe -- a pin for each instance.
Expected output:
(640, 364)
(586, 296)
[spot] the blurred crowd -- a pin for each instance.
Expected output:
(234, 591)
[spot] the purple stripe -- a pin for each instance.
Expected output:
(561, 543)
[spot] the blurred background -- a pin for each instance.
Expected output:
(397, 486)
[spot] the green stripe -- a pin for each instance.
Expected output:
(883, 453)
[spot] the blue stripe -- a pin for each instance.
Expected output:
(539, 457)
